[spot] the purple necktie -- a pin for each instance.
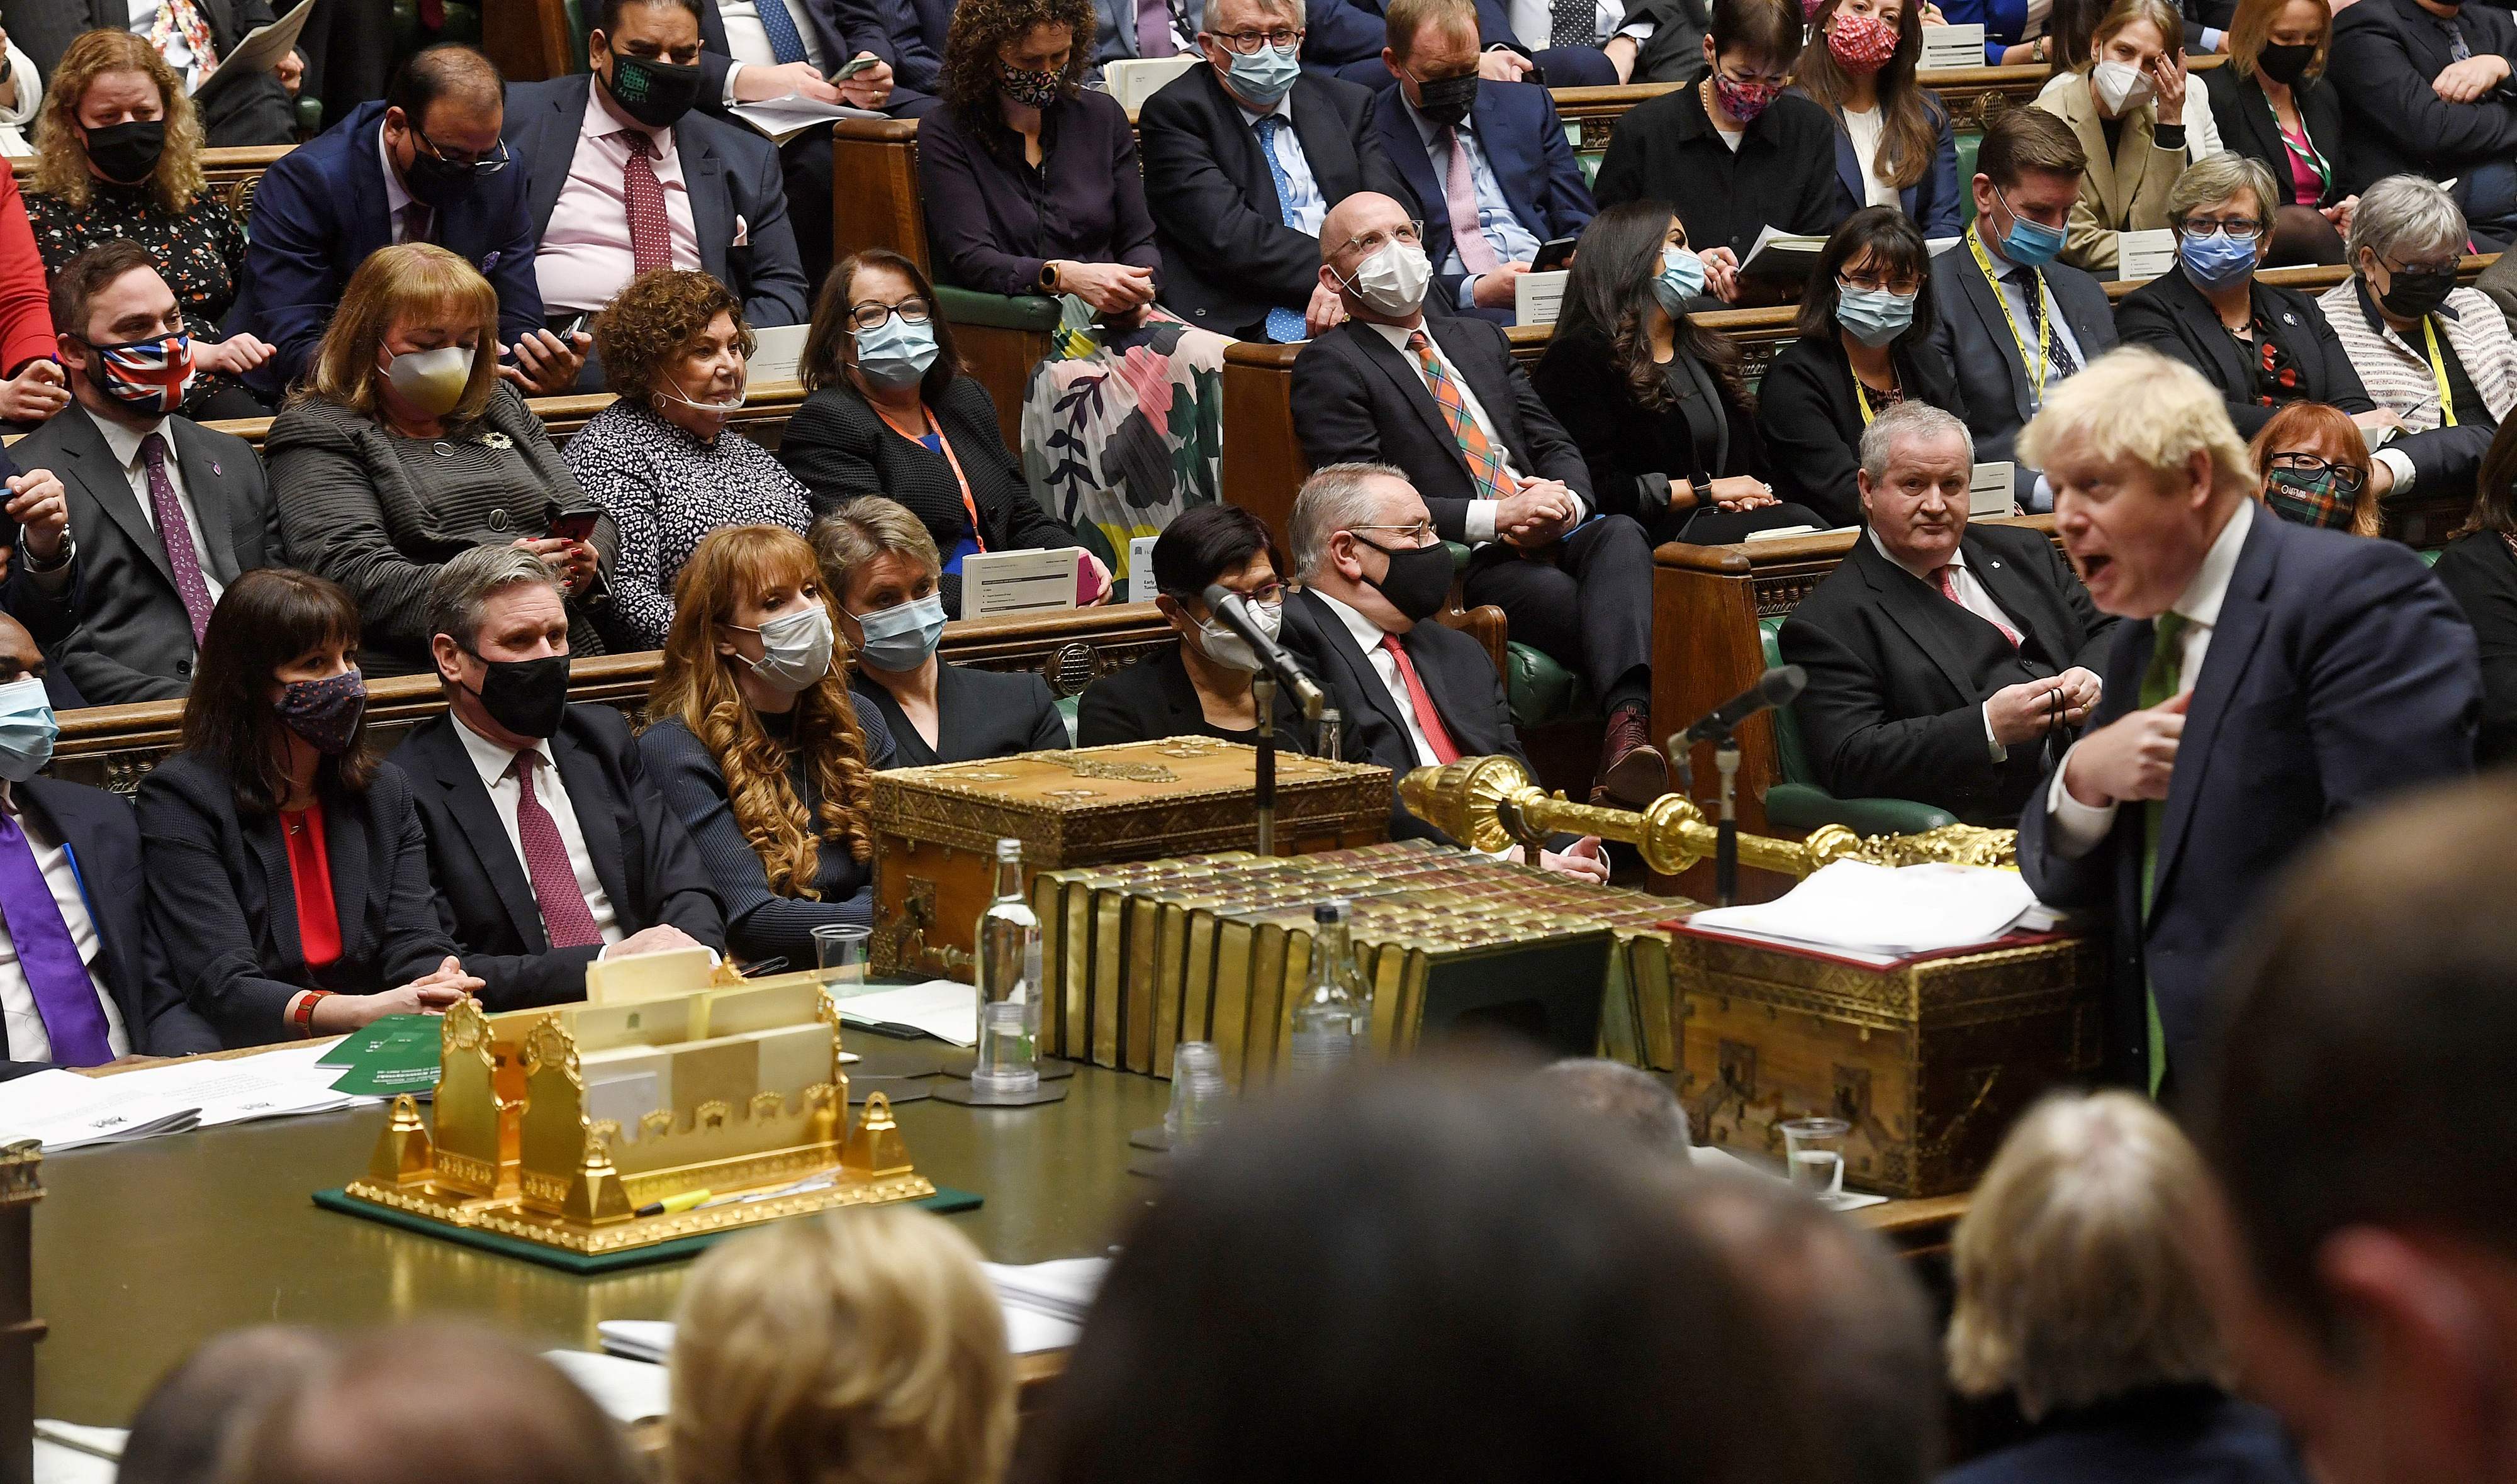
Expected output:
(176, 533)
(65, 996)
(566, 917)
(1154, 35)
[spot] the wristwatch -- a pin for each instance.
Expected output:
(1049, 278)
(2038, 51)
(69, 553)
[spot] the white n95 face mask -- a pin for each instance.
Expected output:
(2122, 87)
(1392, 280)
(1226, 648)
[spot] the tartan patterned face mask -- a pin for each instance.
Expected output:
(2311, 499)
(144, 375)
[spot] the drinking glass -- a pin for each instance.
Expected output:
(1197, 1093)
(1006, 1061)
(840, 954)
(1814, 1150)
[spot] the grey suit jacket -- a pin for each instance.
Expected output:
(132, 641)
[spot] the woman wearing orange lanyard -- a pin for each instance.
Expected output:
(893, 413)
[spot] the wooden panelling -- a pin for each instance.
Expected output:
(530, 40)
(1263, 467)
(873, 189)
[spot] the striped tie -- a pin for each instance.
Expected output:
(1484, 460)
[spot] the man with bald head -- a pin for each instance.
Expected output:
(1442, 400)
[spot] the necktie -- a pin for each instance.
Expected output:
(65, 996)
(786, 43)
(2158, 684)
(414, 222)
(1572, 23)
(174, 533)
(1946, 579)
(1420, 701)
(1485, 465)
(1284, 326)
(1154, 38)
(2456, 48)
(566, 917)
(1468, 223)
(183, 18)
(2060, 362)
(651, 231)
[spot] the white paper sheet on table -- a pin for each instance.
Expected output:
(647, 1340)
(1043, 1303)
(66, 1111)
(73, 1453)
(1062, 1289)
(632, 1391)
(1883, 911)
(937, 1007)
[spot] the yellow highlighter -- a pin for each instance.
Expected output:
(672, 1204)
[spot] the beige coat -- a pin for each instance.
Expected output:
(2127, 193)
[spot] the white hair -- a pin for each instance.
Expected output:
(1339, 497)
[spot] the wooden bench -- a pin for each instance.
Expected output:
(232, 175)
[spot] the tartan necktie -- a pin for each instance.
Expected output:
(565, 919)
(175, 534)
(786, 43)
(1420, 701)
(1285, 325)
(1947, 583)
(1468, 223)
(1485, 463)
(48, 955)
(651, 230)
(2158, 686)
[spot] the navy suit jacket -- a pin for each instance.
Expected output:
(1973, 333)
(731, 172)
(321, 208)
(839, 30)
(1337, 33)
(1930, 203)
(2339, 671)
(1514, 124)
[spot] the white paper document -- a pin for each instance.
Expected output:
(1992, 488)
(997, 582)
(647, 1340)
(1063, 1288)
(68, 1110)
(1536, 298)
(1133, 79)
(1043, 1303)
(2144, 255)
(1884, 913)
(777, 350)
(938, 1008)
(1952, 46)
(1140, 569)
(261, 50)
(1781, 255)
(784, 118)
(632, 1391)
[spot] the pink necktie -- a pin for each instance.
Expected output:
(1949, 590)
(1467, 227)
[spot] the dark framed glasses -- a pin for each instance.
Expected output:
(2307, 468)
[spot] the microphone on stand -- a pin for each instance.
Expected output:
(1777, 687)
(1233, 612)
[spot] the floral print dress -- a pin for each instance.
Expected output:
(200, 253)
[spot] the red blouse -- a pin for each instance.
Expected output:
(310, 875)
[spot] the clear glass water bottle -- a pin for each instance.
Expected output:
(1333, 1018)
(1008, 965)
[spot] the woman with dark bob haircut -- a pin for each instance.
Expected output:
(288, 875)
(1201, 686)
(1866, 344)
(661, 460)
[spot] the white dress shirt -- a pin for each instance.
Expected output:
(126, 441)
(496, 764)
(747, 40)
(1367, 636)
(1534, 22)
(1975, 598)
(2078, 827)
(1481, 513)
(28, 1039)
(585, 256)
(1303, 199)
(1512, 240)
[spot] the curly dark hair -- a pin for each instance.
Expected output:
(653, 316)
(979, 27)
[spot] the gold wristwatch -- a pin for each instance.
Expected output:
(1049, 278)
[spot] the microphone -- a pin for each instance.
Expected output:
(1777, 687)
(1233, 612)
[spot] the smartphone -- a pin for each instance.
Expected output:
(574, 525)
(1087, 582)
(1553, 255)
(852, 66)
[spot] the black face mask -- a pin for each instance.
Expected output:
(127, 153)
(2284, 65)
(2414, 296)
(654, 93)
(1447, 100)
(525, 696)
(1419, 580)
(435, 183)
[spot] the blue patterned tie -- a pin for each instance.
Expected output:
(786, 43)
(1284, 326)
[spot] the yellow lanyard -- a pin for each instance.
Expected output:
(2438, 371)
(1862, 399)
(2044, 320)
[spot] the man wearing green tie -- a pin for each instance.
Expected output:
(2278, 676)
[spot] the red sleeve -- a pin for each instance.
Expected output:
(25, 311)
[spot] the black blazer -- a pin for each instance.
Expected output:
(1621, 444)
(243, 112)
(840, 447)
(639, 847)
(1356, 396)
(978, 713)
(1154, 698)
(1227, 255)
(2480, 574)
(103, 835)
(2169, 314)
(1898, 674)
(1812, 424)
(224, 910)
(2189, 1435)
(1972, 332)
(1782, 174)
(2247, 127)
(994, 221)
(132, 639)
(2390, 50)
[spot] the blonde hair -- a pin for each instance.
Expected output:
(414, 281)
(696, 684)
(858, 530)
(2073, 1266)
(865, 1345)
(2251, 28)
(61, 160)
(2133, 405)
(2123, 13)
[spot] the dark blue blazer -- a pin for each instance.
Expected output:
(839, 30)
(321, 210)
(2002, 21)
(104, 840)
(731, 172)
(915, 32)
(2158, 1435)
(1930, 203)
(1516, 125)
(2339, 671)
(1337, 33)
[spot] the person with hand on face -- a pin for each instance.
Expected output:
(404, 447)
(2429, 95)
(1202, 687)
(661, 460)
(890, 411)
(120, 158)
(2274, 105)
(1441, 398)
(550, 844)
(757, 747)
(287, 877)
(2119, 108)
(2317, 471)
(1885, 715)
(878, 566)
(2274, 676)
(1892, 141)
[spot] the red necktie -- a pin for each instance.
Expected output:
(1420, 701)
(651, 231)
(1949, 590)
(566, 917)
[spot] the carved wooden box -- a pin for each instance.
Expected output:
(936, 828)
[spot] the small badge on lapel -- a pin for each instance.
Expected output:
(489, 261)
(214, 467)
(2289, 317)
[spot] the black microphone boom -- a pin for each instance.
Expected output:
(1777, 687)
(1232, 611)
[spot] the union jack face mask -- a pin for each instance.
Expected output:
(144, 376)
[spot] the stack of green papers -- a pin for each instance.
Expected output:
(395, 1054)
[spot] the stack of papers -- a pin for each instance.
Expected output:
(71, 1453)
(632, 1391)
(1881, 914)
(938, 1008)
(647, 1340)
(784, 118)
(66, 1111)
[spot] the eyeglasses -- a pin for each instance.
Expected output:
(871, 314)
(2347, 478)
(1903, 285)
(479, 164)
(1373, 241)
(1760, 79)
(1273, 592)
(1245, 43)
(2246, 229)
(2437, 270)
(1418, 534)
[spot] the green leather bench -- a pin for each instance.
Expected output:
(1797, 805)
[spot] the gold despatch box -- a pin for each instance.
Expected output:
(936, 828)
(1930, 1060)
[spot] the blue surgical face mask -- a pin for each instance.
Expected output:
(895, 354)
(1682, 278)
(899, 639)
(2030, 245)
(2216, 262)
(1873, 316)
(1265, 75)
(27, 729)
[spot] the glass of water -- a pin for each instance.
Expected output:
(840, 955)
(1007, 1062)
(1814, 1150)
(1197, 1093)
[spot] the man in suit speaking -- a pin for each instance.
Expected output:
(2277, 675)
(1940, 656)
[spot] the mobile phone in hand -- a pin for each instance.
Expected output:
(852, 66)
(573, 525)
(1553, 255)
